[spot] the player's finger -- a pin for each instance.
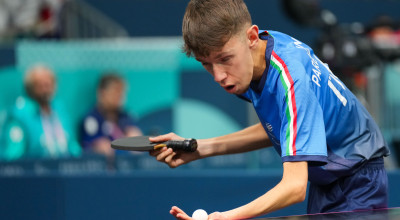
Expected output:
(156, 152)
(161, 138)
(175, 210)
(161, 156)
(179, 213)
(165, 137)
(181, 216)
(170, 160)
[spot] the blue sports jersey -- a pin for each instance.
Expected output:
(309, 114)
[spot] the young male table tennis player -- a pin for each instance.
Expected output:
(323, 134)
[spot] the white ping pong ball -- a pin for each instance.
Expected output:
(200, 214)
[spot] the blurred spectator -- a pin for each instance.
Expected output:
(384, 33)
(38, 127)
(107, 121)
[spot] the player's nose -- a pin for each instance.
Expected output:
(219, 74)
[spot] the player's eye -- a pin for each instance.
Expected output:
(205, 64)
(226, 59)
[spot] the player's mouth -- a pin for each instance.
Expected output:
(230, 88)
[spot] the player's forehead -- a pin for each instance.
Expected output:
(229, 48)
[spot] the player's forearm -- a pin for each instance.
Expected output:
(248, 139)
(291, 190)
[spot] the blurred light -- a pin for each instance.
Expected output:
(328, 51)
(349, 49)
(328, 17)
(357, 28)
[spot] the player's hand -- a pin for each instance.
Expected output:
(179, 214)
(217, 216)
(170, 157)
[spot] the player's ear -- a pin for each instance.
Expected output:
(252, 35)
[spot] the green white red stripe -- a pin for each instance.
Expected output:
(291, 110)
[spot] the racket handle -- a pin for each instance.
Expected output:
(189, 145)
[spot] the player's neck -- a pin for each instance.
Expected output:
(259, 61)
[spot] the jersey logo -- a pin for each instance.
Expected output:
(269, 127)
(271, 135)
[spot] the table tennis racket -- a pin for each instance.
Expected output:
(142, 143)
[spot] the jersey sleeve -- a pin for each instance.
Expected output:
(302, 132)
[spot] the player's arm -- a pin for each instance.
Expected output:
(290, 190)
(248, 139)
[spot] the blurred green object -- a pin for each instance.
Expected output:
(12, 141)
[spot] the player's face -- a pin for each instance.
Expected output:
(232, 66)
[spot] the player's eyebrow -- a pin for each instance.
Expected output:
(225, 53)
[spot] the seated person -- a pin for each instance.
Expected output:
(107, 121)
(37, 126)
